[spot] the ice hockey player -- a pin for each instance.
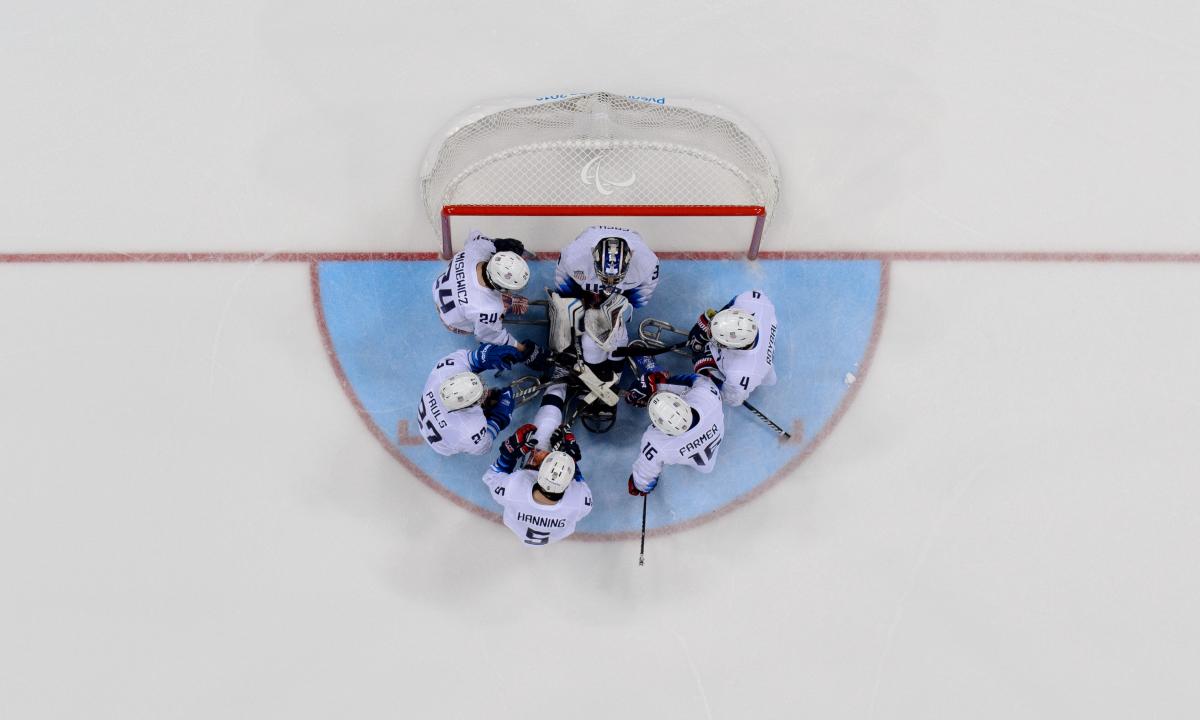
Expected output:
(458, 413)
(543, 500)
(738, 343)
(602, 262)
(476, 290)
(687, 424)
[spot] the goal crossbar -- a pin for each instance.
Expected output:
(756, 213)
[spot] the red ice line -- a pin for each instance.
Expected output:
(881, 255)
(885, 258)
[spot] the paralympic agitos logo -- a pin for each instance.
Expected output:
(592, 173)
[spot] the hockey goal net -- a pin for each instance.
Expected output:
(686, 174)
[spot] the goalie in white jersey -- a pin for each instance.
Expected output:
(601, 262)
(477, 289)
(739, 342)
(687, 424)
(458, 413)
(547, 497)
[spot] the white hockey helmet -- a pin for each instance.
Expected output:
(461, 390)
(670, 413)
(508, 271)
(734, 328)
(556, 472)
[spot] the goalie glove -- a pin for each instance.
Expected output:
(515, 304)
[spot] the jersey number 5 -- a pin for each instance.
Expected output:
(536, 537)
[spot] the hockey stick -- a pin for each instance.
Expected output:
(770, 423)
(573, 414)
(643, 350)
(526, 388)
(642, 553)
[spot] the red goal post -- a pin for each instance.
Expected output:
(689, 175)
(699, 229)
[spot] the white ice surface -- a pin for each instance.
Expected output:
(194, 522)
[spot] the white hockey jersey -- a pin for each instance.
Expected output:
(575, 265)
(466, 306)
(744, 369)
(696, 448)
(450, 433)
(534, 523)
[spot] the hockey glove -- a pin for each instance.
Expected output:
(509, 245)
(645, 364)
(515, 448)
(705, 365)
(558, 372)
(635, 490)
(493, 357)
(564, 440)
(701, 333)
(639, 395)
(536, 358)
(515, 304)
(499, 415)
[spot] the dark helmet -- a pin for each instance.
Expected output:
(612, 257)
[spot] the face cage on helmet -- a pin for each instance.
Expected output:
(598, 262)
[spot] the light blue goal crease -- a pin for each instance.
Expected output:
(386, 335)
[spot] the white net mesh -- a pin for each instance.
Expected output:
(599, 149)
